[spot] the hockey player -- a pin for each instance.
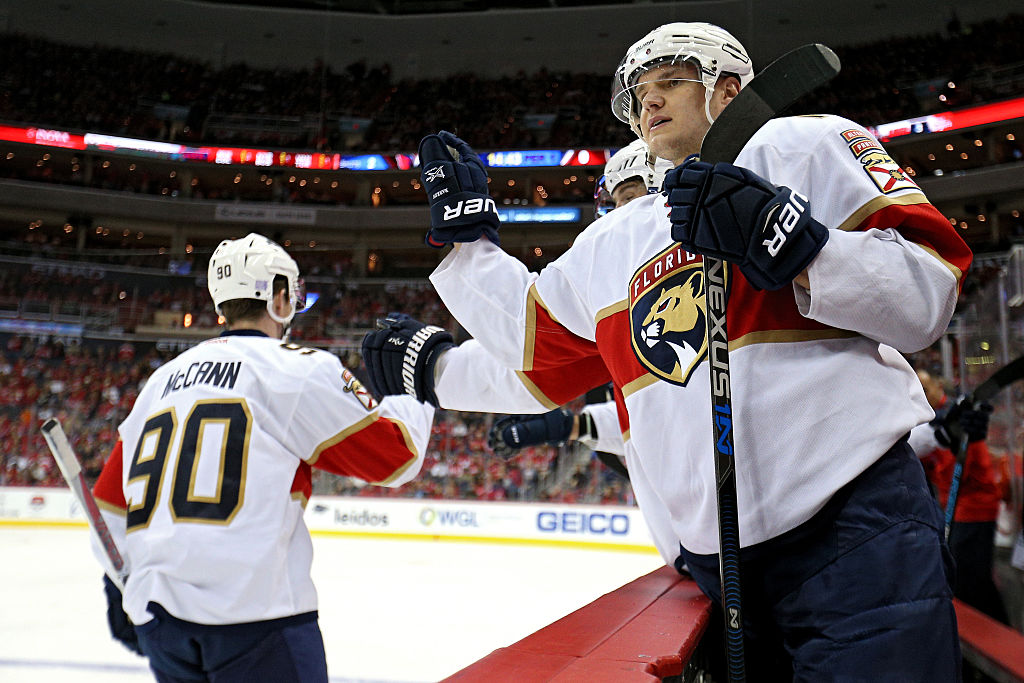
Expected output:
(837, 263)
(628, 174)
(205, 490)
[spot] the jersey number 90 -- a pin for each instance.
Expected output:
(149, 462)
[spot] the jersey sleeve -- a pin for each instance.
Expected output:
(343, 430)
(893, 264)
(606, 421)
(470, 378)
(499, 302)
(922, 440)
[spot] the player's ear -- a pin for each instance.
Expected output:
(282, 302)
(727, 88)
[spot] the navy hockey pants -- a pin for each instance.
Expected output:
(287, 650)
(860, 592)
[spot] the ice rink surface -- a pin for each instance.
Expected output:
(393, 611)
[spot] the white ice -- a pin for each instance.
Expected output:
(395, 611)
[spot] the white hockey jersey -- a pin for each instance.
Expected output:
(819, 387)
(205, 490)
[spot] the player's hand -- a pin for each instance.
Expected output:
(121, 627)
(400, 356)
(730, 213)
(962, 418)
(511, 433)
(461, 208)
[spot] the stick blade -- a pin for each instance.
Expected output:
(1004, 376)
(775, 88)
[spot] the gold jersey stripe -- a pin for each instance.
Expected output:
(535, 391)
(342, 435)
(608, 311)
(880, 202)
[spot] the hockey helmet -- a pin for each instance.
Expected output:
(712, 49)
(245, 269)
(630, 162)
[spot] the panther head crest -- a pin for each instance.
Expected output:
(676, 319)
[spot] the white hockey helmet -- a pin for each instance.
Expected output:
(712, 49)
(245, 269)
(629, 163)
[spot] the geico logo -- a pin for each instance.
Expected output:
(362, 518)
(468, 207)
(461, 518)
(583, 523)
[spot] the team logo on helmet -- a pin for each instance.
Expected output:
(667, 314)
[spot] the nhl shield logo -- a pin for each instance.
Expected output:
(667, 314)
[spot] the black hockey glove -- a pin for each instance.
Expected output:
(730, 213)
(513, 432)
(121, 627)
(961, 418)
(400, 356)
(461, 209)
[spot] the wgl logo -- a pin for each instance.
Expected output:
(462, 518)
(435, 173)
(470, 206)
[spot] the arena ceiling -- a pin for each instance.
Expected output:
(432, 38)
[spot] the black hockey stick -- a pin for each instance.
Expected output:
(779, 85)
(1004, 376)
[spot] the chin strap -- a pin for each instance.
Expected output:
(278, 319)
(708, 92)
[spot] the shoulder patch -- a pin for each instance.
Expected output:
(356, 388)
(884, 172)
(887, 174)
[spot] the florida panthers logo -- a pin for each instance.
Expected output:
(667, 315)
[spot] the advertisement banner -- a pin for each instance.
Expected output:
(597, 526)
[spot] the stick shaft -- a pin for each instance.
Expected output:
(71, 470)
(779, 85)
(725, 467)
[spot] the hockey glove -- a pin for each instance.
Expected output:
(461, 209)
(513, 432)
(961, 418)
(729, 213)
(400, 356)
(121, 627)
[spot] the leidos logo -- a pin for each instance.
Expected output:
(667, 315)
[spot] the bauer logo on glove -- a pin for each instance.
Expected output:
(728, 212)
(461, 210)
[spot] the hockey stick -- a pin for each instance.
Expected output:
(779, 85)
(72, 472)
(1004, 376)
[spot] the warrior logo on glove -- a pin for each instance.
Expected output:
(400, 356)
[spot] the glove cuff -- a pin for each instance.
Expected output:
(427, 392)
